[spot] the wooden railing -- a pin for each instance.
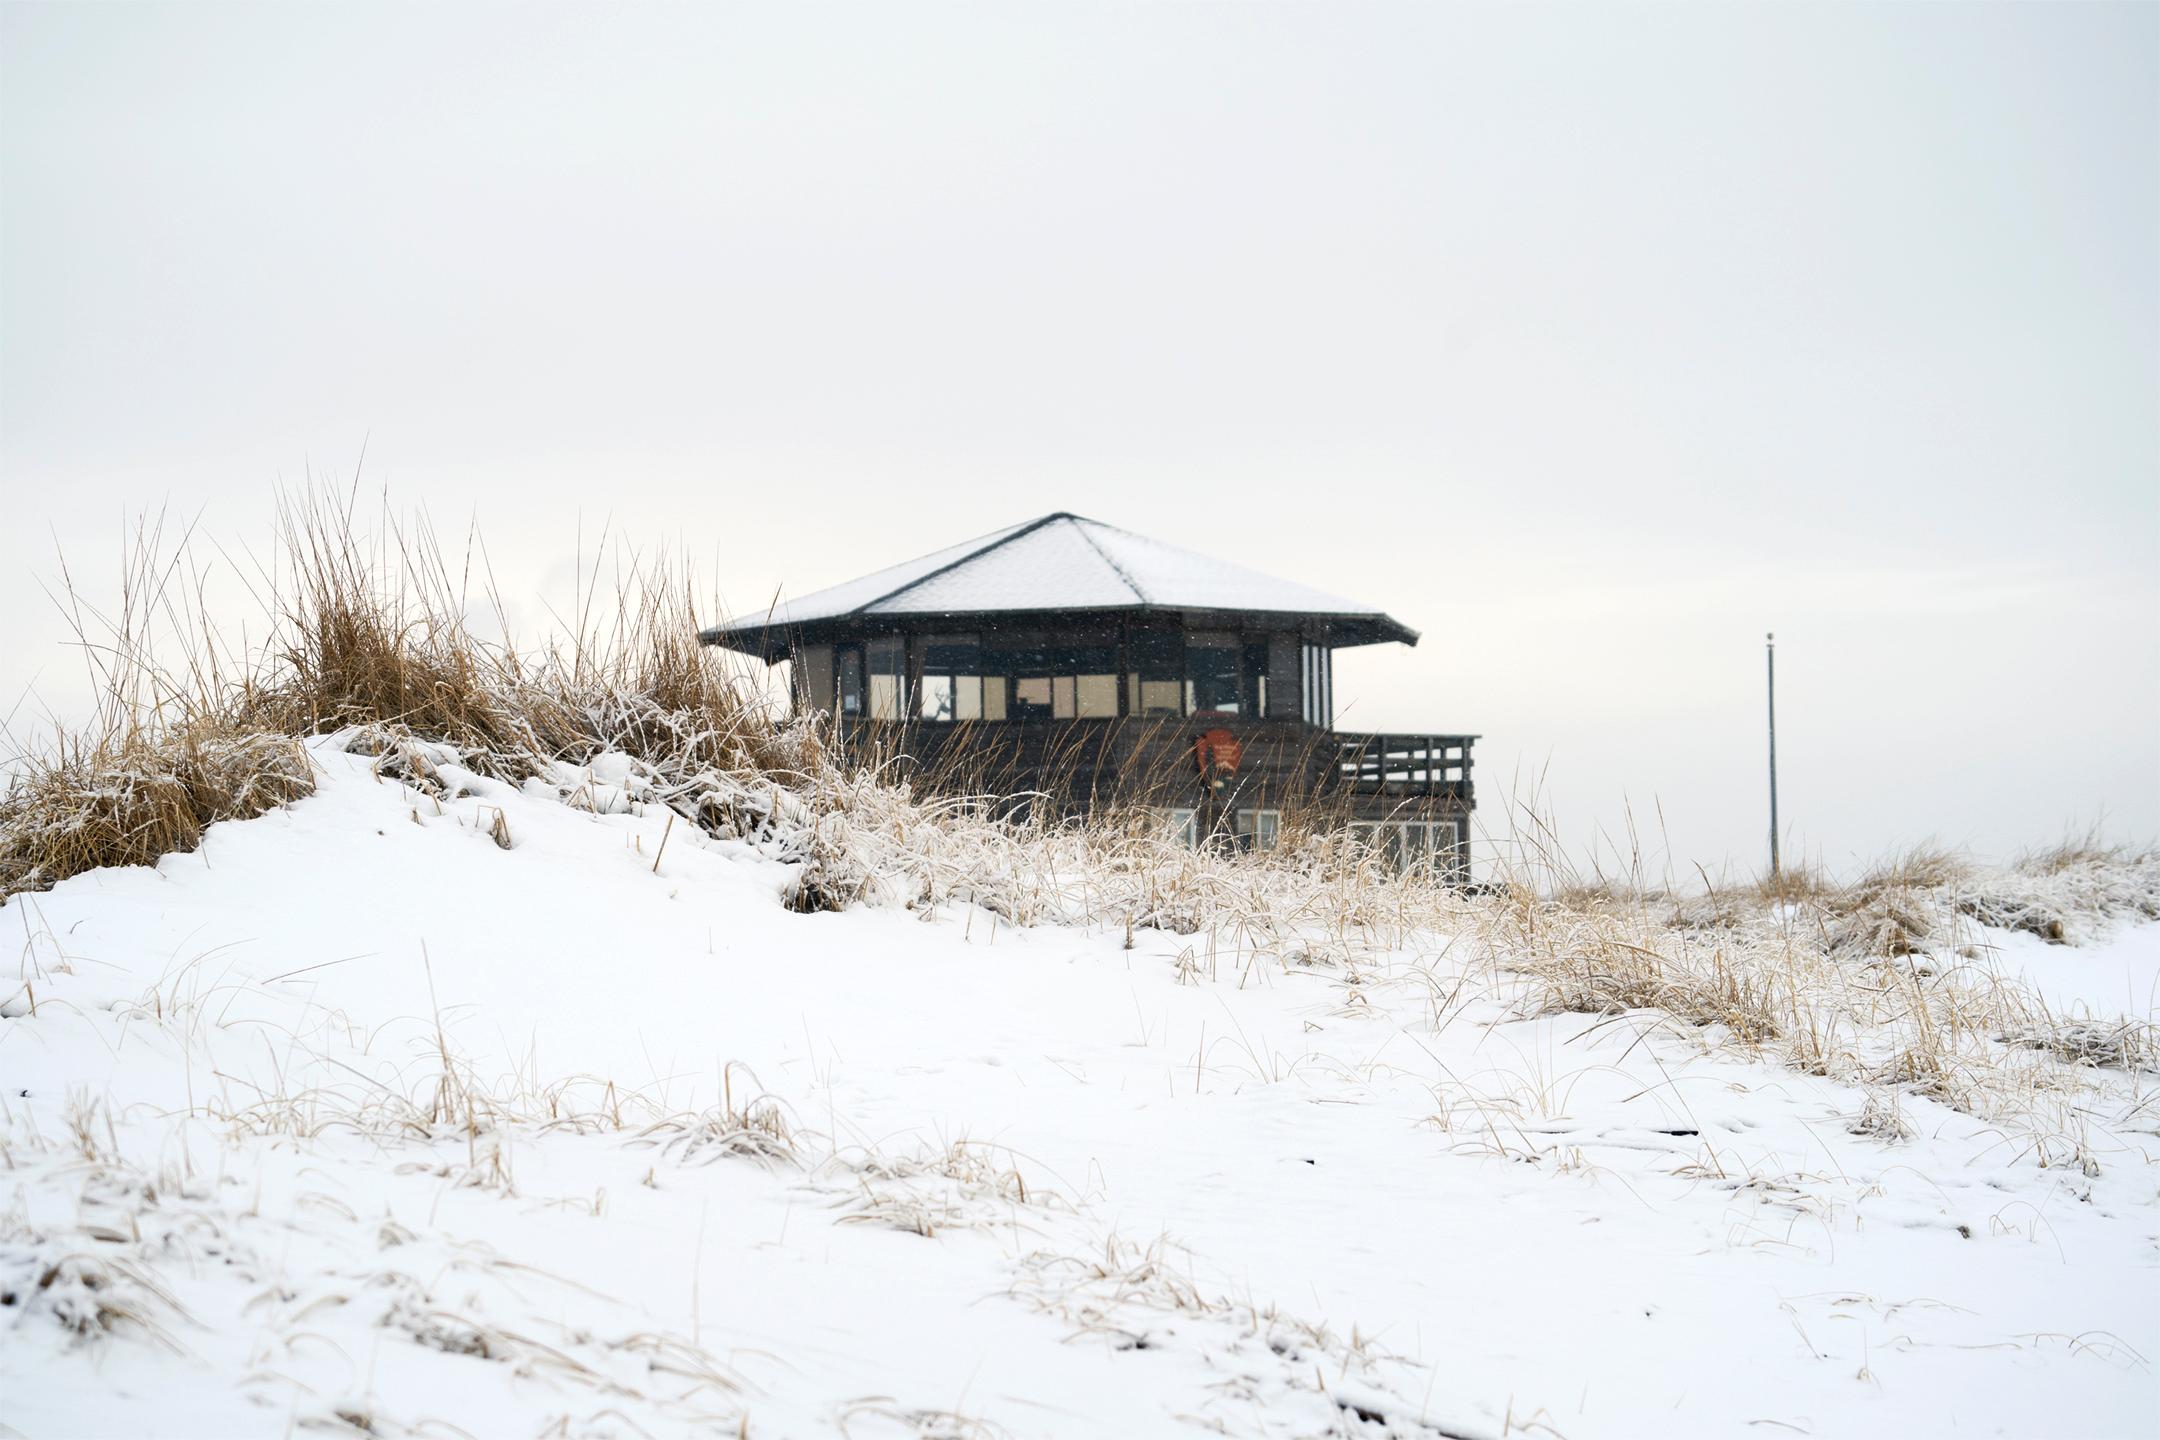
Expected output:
(1405, 764)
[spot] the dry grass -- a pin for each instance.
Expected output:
(164, 754)
(129, 797)
(370, 633)
(1877, 984)
(113, 1240)
(1605, 960)
(1885, 983)
(367, 634)
(1133, 1297)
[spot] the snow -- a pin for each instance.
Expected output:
(1172, 576)
(1169, 1189)
(2117, 974)
(1060, 562)
(855, 594)
(1054, 566)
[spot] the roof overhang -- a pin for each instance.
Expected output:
(770, 638)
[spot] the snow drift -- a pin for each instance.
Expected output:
(563, 1048)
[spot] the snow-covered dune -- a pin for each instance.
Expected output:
(501, 1115)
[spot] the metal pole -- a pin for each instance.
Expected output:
(1770, 653)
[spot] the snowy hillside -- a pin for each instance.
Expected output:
(429, 1104)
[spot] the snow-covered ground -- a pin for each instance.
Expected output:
(2116, 975)
(701, 1164)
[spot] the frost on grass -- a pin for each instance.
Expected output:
(1403, 987)
(132, 798)
(193, 1265)
(1376, 1056)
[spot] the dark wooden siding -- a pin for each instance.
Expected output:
(1082, 766)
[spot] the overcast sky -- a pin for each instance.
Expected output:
(1591, 342)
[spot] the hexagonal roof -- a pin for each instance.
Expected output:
(1061, 563)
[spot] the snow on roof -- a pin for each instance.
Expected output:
(1059, 562)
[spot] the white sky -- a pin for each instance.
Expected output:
(1592, 342)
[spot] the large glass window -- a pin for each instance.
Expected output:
(1025, 663)
(952, 679)
(1211, 672)
(814, 678)
(1258, 829)
(1405, 845)
(886, 660)
(1184, 674)
(1092, 662)
(1446, 845)
(1251, 830)
(1071, 677)
(1157, 678)
(1319, 686)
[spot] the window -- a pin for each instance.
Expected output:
(1256, 665)
(1258, 829)
(851, 679)
(1073, 677)
(1203, 671)
(814, 678)
(886, 660)
(1095, 695)
(1444, 839)
(1028, 666)
(1254, 829)
(952, 679)
(1156, 681)
(1319, 676)
(1031, 699)
(1416, 850)
(1211, 672)
(1406, 845)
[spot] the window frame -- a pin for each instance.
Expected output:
(956, 680)
(1258, 828)
(1317, 663)
(885, 658)
(1213, 643)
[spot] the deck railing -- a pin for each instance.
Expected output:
(1405, 764)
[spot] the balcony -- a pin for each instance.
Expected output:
(1434, 765)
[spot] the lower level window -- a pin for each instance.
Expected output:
(1409, 844)
(1259, 829)
(1254, 829)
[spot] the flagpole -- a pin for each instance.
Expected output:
(1770, 656)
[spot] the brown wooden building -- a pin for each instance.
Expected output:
(1069, 657)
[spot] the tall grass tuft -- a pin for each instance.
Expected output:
(129, 798)
(165, 752)
(1881, 982)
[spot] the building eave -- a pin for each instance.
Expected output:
(771, 639)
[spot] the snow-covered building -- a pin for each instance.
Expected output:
(1070, 657)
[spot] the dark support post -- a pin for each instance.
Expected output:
(1770, 654)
